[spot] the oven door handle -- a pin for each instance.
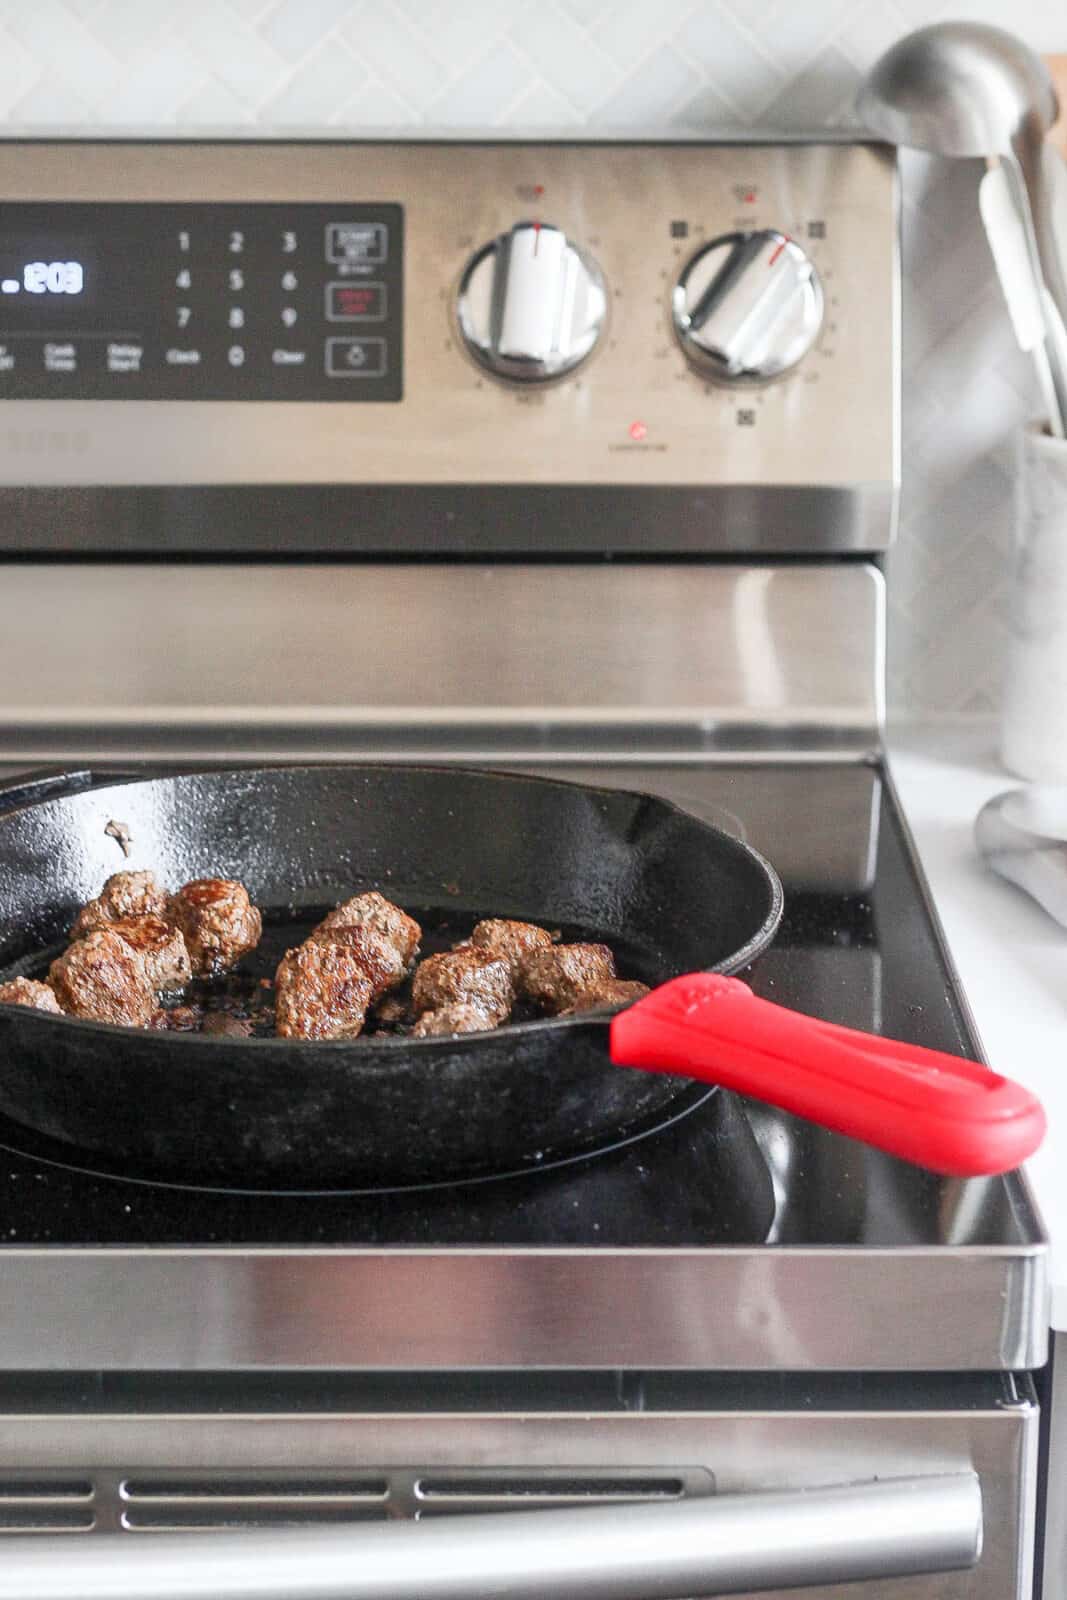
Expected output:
(718, 1545)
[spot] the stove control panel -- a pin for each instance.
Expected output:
(378, 344)
(246, 301)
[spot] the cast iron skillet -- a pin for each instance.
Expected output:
(669, 893)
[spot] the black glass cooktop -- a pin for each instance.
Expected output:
(857, 945)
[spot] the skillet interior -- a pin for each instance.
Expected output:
(670, 893)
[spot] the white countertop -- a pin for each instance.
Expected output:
(1010, 954)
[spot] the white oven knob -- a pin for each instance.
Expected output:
(531, 305)
(747, 307)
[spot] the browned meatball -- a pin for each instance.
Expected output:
(161, 947)
(554, 978)
(374, 912)
(611, 992)
(219, 922)
(514, 942)
(322, 991)
(472, 977)
(125, 894)
(386, 967)
(462, 1017)
(103, 978)
(28, 992)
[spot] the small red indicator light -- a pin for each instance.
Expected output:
(750, 197)
(638, 431)
(539, 188)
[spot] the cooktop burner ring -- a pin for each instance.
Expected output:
(39, 1148)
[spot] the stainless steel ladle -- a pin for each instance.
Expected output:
(967, 89)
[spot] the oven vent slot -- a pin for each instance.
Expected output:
(525, 1491)
(158, 1501)
(40, 1505)
(158, 1505)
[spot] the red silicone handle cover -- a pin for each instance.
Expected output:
(950, 1115)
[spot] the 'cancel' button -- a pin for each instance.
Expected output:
(355, 358)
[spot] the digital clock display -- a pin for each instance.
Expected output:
(162, 301)
(46, 277)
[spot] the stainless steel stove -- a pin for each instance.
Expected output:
(567, 457)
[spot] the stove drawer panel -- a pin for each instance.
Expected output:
(889, 1490)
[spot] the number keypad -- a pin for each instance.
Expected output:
(253, 302)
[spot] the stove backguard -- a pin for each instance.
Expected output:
(437, 661)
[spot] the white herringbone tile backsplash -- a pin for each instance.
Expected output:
(632, 65)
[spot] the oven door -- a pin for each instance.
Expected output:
(675, 1485)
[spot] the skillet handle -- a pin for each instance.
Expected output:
(953, 1116)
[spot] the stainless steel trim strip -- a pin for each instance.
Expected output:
(1054, 1568)
(729, 1309)
(63, 135)
(712, 1546)
(334, 659)
(389, 520)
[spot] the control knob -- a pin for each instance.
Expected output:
(531, 304)
(747, 307)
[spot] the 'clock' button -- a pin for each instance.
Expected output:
(355, 358)
(355, 302)
(356, 241)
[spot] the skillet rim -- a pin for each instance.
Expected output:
(167, 1040)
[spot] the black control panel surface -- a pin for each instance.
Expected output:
(201, 302)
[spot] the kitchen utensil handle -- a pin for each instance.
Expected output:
(942, 1112)
(716, 1545)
